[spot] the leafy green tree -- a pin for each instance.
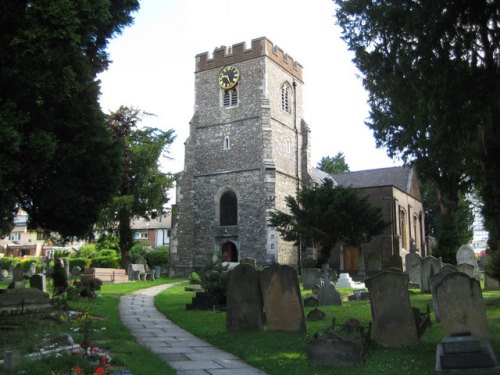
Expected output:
(325, 215)
(432, 73)
(59, 162)
(333, 164)
(143, 188)
(450, 229)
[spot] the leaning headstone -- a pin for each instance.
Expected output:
(328, 295)
(38, 281)
(435, 280)
(310, 277)
(244, 301)
(465, 254)
(430, 267)
(461, 305)
(281, 296)
(373, 264)
(333, 350)
(18, 276)
(413, 263)
(392, 316)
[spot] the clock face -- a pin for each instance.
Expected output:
(228, 77)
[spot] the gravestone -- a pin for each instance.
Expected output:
(466, 255)
(395, 261)
(461, 305)
(31, 271)
(38, 281)
(251, 261)
(310, 277)
(311, 301)
(328, 295)
(18, 276)
(430, 267)
(25, 300)
(413, 263)
(316, 314)
(244, 301)
(435, 280)
(373, 264)
(4, 274)
(332, 350)
(466, 268)
(66, 268)
(345, 281)
(282, 301)
(392, 315)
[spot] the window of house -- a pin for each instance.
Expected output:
(227, 143)
(230, 98)
(141, 235)
(15, 236)
(228, 209)
(285, 97)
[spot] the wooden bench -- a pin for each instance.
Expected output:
(140, 271)
(114, 275)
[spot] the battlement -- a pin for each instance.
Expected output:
(223, 56)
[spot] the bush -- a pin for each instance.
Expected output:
(157, 257)
(89, 287)
(87, 251)
(62, 253)
(83, 263)
(106, 262)
(107, 253)
(5, 262)
(493, 266)
(138, 250)
(27, 263)
(214, 277)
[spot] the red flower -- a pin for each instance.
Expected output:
(76, 370)
(99, 371)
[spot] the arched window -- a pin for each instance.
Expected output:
(230, 98)
(228, 209)
(403, 224)
(229, 252)
(285, 97)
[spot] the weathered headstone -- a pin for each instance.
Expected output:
(395, 261)
(310, 277)
(250, 261)
(38, 281)
(244, 301)
(18, 276)
(435, 280)
(466, 268)
(4, 274)
(15, 301)
(461, 305)
(328, 295)
(392, 316)
(466, 255)
(430, 267)
(31, 271)
(333, 350)
(373, 264)
(413, 263)
(316, 314)
(281, 296)
(311, 301)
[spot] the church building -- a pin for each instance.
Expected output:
(248, 148)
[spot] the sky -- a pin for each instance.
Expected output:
(153, 63)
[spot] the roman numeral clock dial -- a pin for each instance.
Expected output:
(228, 77)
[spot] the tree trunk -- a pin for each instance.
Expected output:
(125, 233)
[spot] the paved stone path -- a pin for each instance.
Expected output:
(184, 352)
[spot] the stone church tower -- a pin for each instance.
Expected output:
(248, 148)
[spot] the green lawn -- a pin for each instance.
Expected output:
(280, 353)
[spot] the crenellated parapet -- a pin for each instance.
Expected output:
(223, 56)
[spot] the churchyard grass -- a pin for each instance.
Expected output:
(107, 332)
(280, 353)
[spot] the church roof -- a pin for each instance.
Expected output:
(400, 177)
(318, 176)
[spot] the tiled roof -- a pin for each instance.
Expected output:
(399, 177)
(161, 222)
(318, 175)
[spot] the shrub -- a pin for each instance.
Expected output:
(157, 257)
(106, 262)
(87, 251)
(5, 262)
(59, 277)
(107, 253)
(214, 277)
(194, 278)
(27, 263)
(89, 287)
(493, 266)
(138, 250)
(62, 253)
(83, 263)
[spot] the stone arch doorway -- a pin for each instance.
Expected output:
(229, 252)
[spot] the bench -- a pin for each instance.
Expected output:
(140, 271)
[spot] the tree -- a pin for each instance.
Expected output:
(432, 73)
(333, 164)
(143, 188)
(450, 230)
(325, 215)
(58, 161)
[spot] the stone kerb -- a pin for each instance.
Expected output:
(392, 315)
(430, 267)
(461, 305)
(282, 302)
(244, 300)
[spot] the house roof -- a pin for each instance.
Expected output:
(318, 176)
(400, 177)
(160, 222)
